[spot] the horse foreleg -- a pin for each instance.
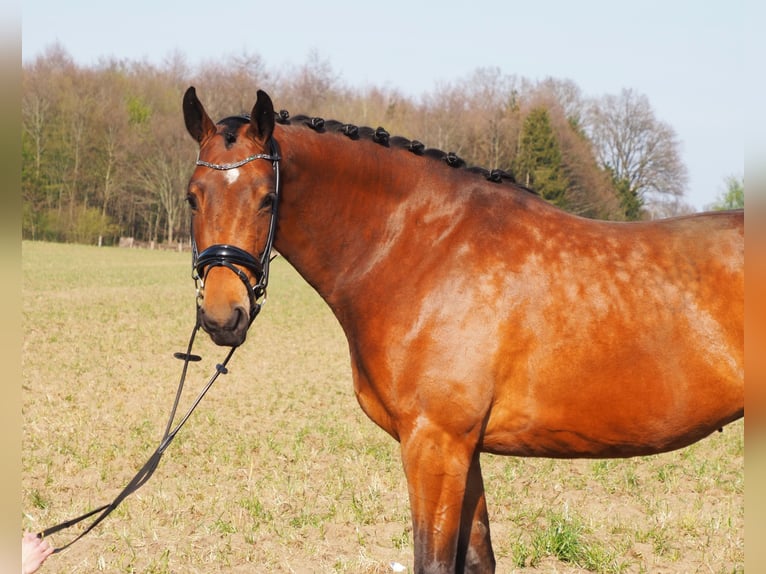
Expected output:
(439, 467)
(474, 554)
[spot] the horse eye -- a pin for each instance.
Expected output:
(192, 201)
(267, 200)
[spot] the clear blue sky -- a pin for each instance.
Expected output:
(686, 56)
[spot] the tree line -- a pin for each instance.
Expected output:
(105, 153)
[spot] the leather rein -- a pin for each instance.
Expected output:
(220, 255)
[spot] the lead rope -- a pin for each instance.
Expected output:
(150, 466)
(255, 292)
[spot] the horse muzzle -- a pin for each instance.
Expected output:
(223, 314)
(228, 330)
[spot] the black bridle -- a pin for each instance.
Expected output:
(219, 255)
(233, 257)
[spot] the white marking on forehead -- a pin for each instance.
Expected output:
(231, 175)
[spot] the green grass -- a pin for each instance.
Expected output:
(279, 470)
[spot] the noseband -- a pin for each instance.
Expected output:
(233, 257)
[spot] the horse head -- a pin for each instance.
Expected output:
(233, 195)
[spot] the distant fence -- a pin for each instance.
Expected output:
(131, 243)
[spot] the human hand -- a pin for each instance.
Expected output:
(34, 551)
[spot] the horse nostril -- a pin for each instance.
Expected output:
(239, 319)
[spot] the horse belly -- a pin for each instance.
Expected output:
(615, 404)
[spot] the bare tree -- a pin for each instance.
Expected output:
(444, 118)
(166, 177)
(311, 85)
(163, 172)
(567, 95)
(230, 88)
(493, 125)
(639, 149)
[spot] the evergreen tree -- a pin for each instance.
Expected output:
(631, 203)
(538, 161)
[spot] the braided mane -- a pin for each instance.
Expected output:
(382, 137)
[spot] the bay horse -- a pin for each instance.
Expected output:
(479, 317)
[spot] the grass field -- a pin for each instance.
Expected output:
(279, 470)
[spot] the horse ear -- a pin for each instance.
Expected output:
(198, 123)
(262, 118)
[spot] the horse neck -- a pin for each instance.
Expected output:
(343, 205)
(358, 220)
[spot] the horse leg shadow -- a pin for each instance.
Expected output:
(474, 551)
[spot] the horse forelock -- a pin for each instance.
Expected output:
(230, 127)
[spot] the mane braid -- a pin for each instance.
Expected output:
(381, 137)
